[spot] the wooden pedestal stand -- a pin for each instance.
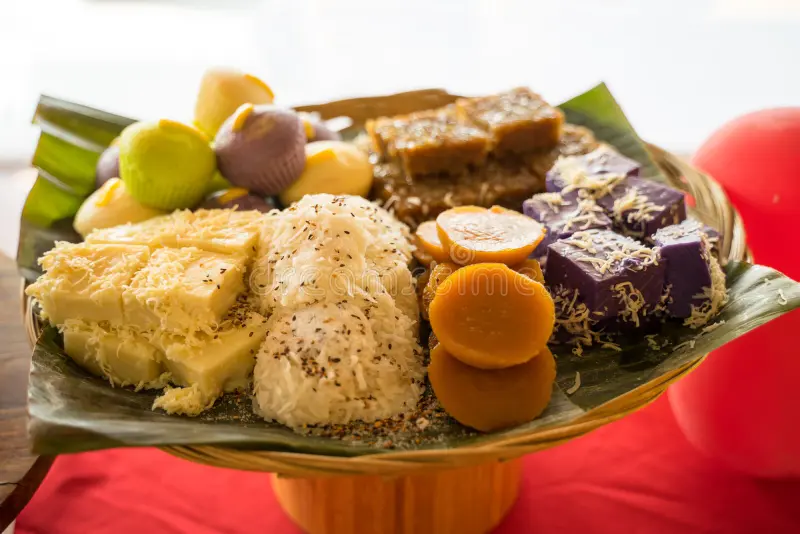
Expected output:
(466, 500)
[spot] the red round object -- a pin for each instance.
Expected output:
(740, 406)
(756, 158)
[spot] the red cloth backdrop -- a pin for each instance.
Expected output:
(637, 475)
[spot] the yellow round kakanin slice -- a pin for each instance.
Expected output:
(429, 245)
(471, 234)
(489, 400)
(492, 317)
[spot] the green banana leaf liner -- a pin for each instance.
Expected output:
(73, 411)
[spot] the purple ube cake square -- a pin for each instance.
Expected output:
(563, 217)
(613, 275)
(687, 249)
(641, 207)
(594, 173)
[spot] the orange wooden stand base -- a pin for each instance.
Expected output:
(465, 500)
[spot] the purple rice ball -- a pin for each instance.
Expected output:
(317, 129)
(261, 148)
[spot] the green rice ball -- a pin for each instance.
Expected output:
(165, 164)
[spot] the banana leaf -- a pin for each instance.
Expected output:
(72, 411)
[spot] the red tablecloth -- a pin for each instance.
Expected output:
(637, 475)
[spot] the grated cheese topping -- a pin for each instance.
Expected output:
(576, 386)
(224, 231)
(634, 207)
(632, 300)
(574, 174)
(184, 290)
(88, 268)
(191, 401)
(575, 319)
(714, 298)
(615, 252)
(554, 201)
(586, 216)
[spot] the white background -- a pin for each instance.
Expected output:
(680, 68)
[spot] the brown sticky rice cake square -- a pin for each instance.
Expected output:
(518, 121)
(506, 182)
(429, 142)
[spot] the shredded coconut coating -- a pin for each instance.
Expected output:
(333, 273)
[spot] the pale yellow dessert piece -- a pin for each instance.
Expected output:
(224, 231)
(122, 356)
(86, 281)
(183, 290)
(333, 167)
(222, 362)
(221, 93)
(111, 205)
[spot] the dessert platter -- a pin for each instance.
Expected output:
(371, 286)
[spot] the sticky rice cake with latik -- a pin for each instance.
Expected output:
(506, 182)
(429, 142)
(518, 121)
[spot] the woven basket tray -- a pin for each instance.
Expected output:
(711, 207)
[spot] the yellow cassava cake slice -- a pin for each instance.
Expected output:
(183, 290)
(86, 281)
(122, 355)
(223, 231)
(219, 362)
(204, 366)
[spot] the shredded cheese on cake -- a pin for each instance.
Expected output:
(86, 267)
(665, 300)
(574, 319)
(714, 298)
(86, 280)
(120, 354)
(184, 290)
(554, 201)
(632, 300)
(617, 252)
(576, 386)
(574, 175)
(585, 216)
(189, 401)
(634, 207)
(225, 231)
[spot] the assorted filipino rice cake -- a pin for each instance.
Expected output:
(620, 250)
(529, 232)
